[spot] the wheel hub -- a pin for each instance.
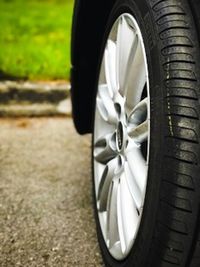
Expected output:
(122, 126)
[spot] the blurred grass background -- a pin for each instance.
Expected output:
(35, 39)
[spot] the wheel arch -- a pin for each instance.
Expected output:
(89, 22)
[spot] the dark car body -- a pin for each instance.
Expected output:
(89, 23)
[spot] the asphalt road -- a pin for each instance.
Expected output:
(46, 216)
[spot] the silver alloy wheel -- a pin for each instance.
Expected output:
(121, 136)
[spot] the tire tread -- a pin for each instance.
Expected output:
(178, 209)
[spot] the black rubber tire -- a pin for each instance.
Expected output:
(169, 231)
(195, 6)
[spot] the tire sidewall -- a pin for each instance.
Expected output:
(139, 255)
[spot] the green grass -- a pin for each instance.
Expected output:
(35, 38)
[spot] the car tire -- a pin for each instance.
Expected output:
(168, 229)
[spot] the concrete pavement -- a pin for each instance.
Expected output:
(46, 216)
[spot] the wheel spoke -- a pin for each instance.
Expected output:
(128, 217)
(111, 170)
(138, 168)
(110, 67)
(134, 187)
(112, 216)
(138, 122)
(140, 133)
(105, 148)
(105, 105)
(137, 78)
(139, 112)
(126, 41)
